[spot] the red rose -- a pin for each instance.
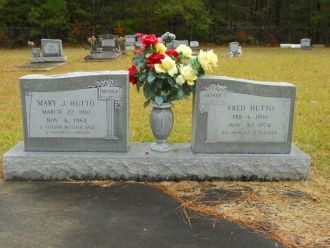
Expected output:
(149, 39)
(132, 74)
(154, 58)
(172, 53)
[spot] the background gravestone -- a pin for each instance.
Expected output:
(130, 39)
(109, 48)
(177, 43)
(242, 116)
(52, 51)
(305, 43)
(76, 111)
(234, 49)
(108, 42)
(194, 44)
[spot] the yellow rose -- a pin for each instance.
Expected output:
(159, 68)
(180, 80)
(167, 66)
(185, 50)
(160, 48)
(189, 74)
(207, 60)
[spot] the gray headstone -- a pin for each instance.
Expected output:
(194, 44)
(242, 116)
(130, 39)
(177, 43)
(83, 111)
(305, 43)
(51, 47)
(234, 48)
(52, 51)
(109, 42)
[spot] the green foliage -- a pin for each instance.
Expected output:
(75, 20)
(48, 18)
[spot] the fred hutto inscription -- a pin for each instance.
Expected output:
(235, 117)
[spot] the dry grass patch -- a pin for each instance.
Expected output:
(293, 213)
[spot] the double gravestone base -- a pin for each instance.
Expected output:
(140, 163)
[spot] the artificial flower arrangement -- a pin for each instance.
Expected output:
(30, 44)
(92, 40)
(122, 39)
(167, 75)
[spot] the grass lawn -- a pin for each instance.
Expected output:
(295, 213)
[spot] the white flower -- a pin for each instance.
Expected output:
(185, 50)
(207, 60)
(189, 74)
(180, 80)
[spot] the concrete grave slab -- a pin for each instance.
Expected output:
(37, 214)
(38, 66)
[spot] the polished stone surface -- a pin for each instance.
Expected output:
(232, 115)
(81, 111)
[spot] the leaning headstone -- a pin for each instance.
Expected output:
(52, 51)
(242, 116)
(305, 43)
(234, 49)
(75, 112)
(177, 43)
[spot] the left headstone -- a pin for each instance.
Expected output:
(83, 111)
(52, 51)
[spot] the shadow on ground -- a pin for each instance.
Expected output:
(58, 214)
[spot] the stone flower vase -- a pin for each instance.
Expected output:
(161, 123)
(35, 52)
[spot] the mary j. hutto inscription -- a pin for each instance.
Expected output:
(94, 108)
(83, 113)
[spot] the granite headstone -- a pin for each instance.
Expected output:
(177, 43)
(108, 48)
(130, 39)
(52, 51)
(194, 44)
(242, 116)
(84, 111)
(305, 43)
(234, 49)
(108, 42)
